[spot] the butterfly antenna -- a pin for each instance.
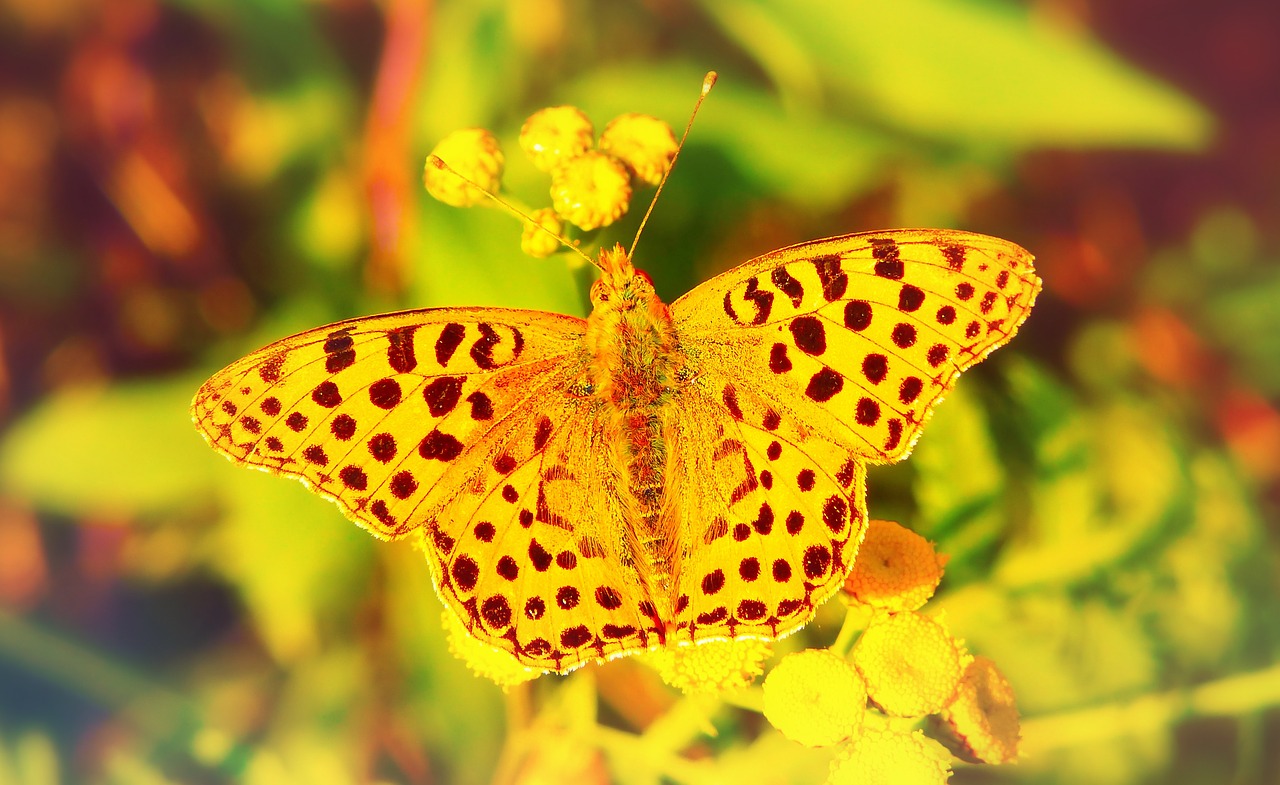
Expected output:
(707, 83)
(439, 163)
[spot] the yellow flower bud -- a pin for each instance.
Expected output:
(494, 664)
(537, 243)
(984, 716)
(883, 756)
(896, 569)
(644, 143)
(815, 697)
(910, 663)
(711, 667)
(590, 191)
(554, 135)
(473, 153)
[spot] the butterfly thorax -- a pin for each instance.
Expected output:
(633, 367)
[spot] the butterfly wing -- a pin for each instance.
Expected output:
(808, 363)
(471, 429)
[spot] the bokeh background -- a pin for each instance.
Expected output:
(182, 181)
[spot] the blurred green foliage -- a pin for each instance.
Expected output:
(1100, 485)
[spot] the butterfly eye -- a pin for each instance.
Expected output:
(642, 275)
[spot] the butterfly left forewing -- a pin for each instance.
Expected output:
(860, 336)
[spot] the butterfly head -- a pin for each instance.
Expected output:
(621, 286)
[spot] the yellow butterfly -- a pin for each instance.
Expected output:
(651, 475)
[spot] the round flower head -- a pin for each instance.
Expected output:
(883, 756)
(473, 153)
(555, 135)
(896, 569)
(712, 667)
(983, 717)
(494, 664)
(815, 697)
(590, 191)
(645, 144)
(910, 663)
(537, 243)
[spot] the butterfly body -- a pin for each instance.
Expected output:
(653, 475)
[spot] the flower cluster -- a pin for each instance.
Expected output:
(591, 181)
(905, 668)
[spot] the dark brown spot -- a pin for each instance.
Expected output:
(749, 569)
(972, 330)
(296, 421)
(781, 570)
(535, 608)
(766, 479)
(946, 315)
(718, 528)
(437, 446)
(805, 479)
(938, 354)
(778, 360)
(857, 315)
(730, 398)
(834, 513)
(484, 531)
(875, 367)
(315, 454)
(773, 451)
(274, 444)
(403, 485)
(575, 637)
(509, 494)
(400, 354)
(507, 568)
(354, 478)
(741, 532)
(752, 610)
(326, 394)
(442, 394)
(904, 335)
(567, 598)
(481, 406)
(343, 427)
(764, 519)
(954, 255)
(824, 384)
(847, 472)
(229, 408)
(465, 572)
(340, 360)
(771, 420)
(761, 299)
(269, 371)
(616, 631)
(889, 267)
(482, 349)
(379, 510)
(788, 607)
(910, 298)
(895, 435)
(728, 307)
(868, 412)
(382, 447)
(448, 342)
(910, 389)
(1002, 279)
(251, 424)
(384, 393)
(539, 555)
(964, 291)
(817, 558)
(443, 541)
(504, 463)
(541, 434)
(525, 518)
(809, 335)
(538, 647)
(834, 280)
(787, 285)
(988, 300)
(565, 560)
(270, 406)
(608, 598)
(714, 617)
(712, 582)
(496, 612)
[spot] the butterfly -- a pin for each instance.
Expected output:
(651, 475)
